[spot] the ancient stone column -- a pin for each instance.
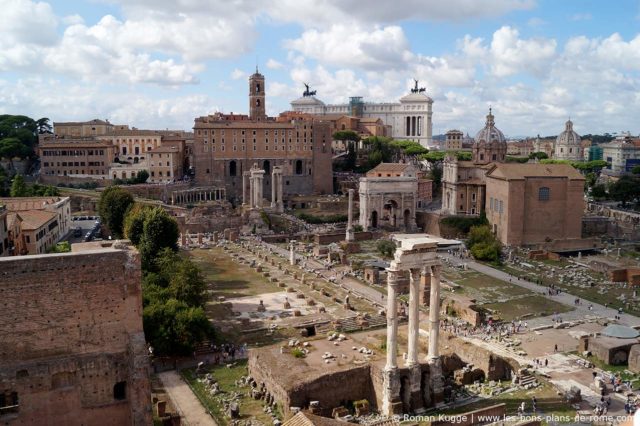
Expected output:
(292, 254)
(280, 204)
(434, 313)
(414, 316)
(391, 391)
(350, 233)
(425, 285)
(392, 318)
(274, 178)
(434, 361)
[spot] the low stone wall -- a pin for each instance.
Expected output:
(630, 275)
(464, 309)
(634, 359)
(324, 239)
(66, 180)
(331, 389)
(494, 366)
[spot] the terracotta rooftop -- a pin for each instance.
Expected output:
(29, 203)
(390, 168)
(12, 218)
(513, 171)
(76, 123)
(35, 219)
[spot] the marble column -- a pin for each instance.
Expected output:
(434, 360)
(251, 192)
(273, 188)
(425, 285)
(350, 234)
(391, 403)
(434, 313)
(414, 317)
(392, 319)
(292, 254)
(280, 189)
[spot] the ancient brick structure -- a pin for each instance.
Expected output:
(73, 349)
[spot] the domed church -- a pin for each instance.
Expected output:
(463, 182)
(568, 144)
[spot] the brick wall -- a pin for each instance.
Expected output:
(72, 329)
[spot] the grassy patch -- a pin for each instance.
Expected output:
(538, 306)
(227, 278)
(226, 377)
(483, 287)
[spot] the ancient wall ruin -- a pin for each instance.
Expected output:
(455, 350)
(73, 348)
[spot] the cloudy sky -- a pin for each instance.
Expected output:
(160, 63)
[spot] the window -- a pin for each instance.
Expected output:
(491, 203)
(299, 167)
(543, 194)
(232, 168)
(9, 402)
(120, 391)
(500, 209)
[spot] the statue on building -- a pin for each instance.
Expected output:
(308, 92)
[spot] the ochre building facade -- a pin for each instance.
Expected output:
(227, 145)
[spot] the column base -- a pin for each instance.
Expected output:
(351, 236)
(436, 381)
(417, 404)
(391, 402)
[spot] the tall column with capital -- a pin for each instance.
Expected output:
(434, 313)
(259, 188)
(251, 192)
(391, 392)
(414, 319)
(350, 233)
(434, 360)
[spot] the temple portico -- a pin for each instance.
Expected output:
(416, 254)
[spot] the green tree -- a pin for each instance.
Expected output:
(626, 189)
(112, 207)
(636, 170)
(174, 328)
(386, 248)
(599, 192)
(538, 155)
(134, 223)
(141, 177)
(159, 231)
(19, 187)
(483, 244)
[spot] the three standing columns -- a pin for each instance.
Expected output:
(392, 403)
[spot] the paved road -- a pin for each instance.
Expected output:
(191, 411)
(581, 311)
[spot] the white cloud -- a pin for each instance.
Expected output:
(511, 55)
(79, 100)
(273, 64)
(581, 17)
(344, 45)
(73, 19)
(319, 14)
(237, 74)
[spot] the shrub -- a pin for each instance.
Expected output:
(298, 353)
(386, 247)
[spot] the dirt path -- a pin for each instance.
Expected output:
(191, 411)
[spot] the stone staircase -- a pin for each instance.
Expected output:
(528, 380)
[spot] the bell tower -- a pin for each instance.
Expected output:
(256, 97)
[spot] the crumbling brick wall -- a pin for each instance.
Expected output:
(73, 346)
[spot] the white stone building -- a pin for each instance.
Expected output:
(568, 144)
(388, 197)
(410, 118)
(621, 154)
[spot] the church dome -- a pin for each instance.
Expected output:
(569, 136)
(490, 133)
(307, 101)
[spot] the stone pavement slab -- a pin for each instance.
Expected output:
(191, 411)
